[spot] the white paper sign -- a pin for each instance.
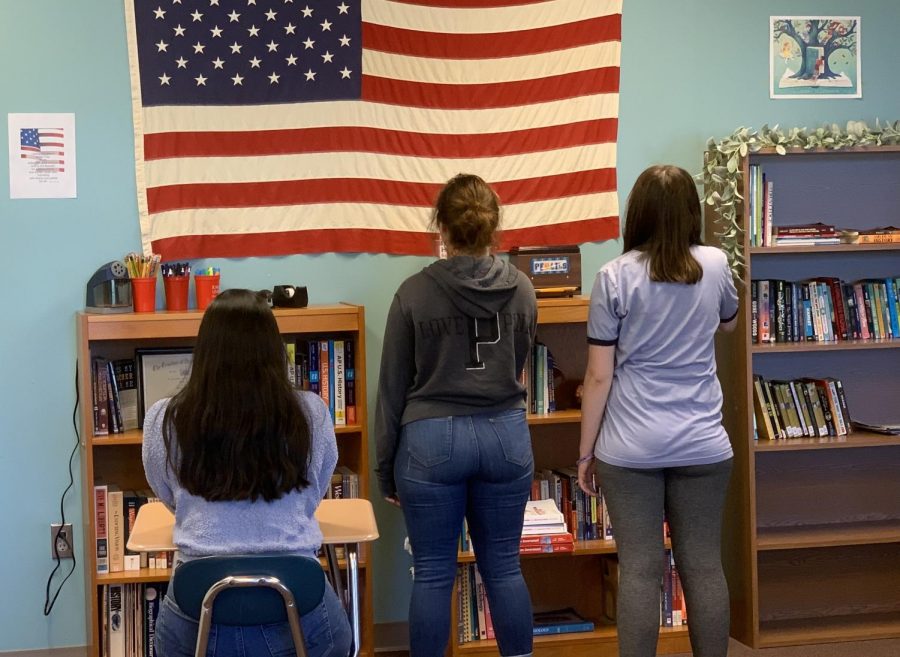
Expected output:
(41, 155)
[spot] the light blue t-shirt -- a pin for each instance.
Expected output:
(285, 525)
(665, 404)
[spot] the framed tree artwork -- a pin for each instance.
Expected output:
(814, 57)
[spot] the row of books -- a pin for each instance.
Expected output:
(115, 395)
(327, 367)
(815, 234)
(115, 512)
(824, 309)
(586, 517)
(128, 614)
(539, 376)
(759, 197)
(474, 620)
(800, 408)
(672, 603)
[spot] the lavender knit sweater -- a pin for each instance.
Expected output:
(285, 525)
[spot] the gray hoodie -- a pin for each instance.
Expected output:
(455, 343)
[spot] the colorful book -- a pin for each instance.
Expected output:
(560, 621)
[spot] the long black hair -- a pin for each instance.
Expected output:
(240, 431)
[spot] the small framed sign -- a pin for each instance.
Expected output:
(161, 373)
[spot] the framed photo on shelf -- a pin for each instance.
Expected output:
(161, 373)
(814, 57)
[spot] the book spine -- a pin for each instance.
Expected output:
(754, 311)
(861, 312)
(325, 375)
(780, 324)
(842, 403)
(314, 383)
(479, 602)
(116, 634)
(101, 427)
(101, 530)
(290, 350)
(563, 628)
(350, 380)
(340, 400)
(765, 333)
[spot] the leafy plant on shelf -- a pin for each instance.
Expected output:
(722, 175)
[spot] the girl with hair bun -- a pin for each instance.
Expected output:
(451, 437)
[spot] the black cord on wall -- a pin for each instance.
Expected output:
(48, 602)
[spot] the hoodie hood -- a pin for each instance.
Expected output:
(477, 286)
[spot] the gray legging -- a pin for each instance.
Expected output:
(692, 498)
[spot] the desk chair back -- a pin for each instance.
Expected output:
(249, 590)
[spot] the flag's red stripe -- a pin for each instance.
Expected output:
(365, 241)
(490, 95)
(364, 190)
(33, 149)
(48, 144)
(42, 133)
(468, 4)
(375, 140)
(415, 43)
(571, 232)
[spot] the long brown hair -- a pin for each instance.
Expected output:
(663, 222)
(468, 211)
(239, 427)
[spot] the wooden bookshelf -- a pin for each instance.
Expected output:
(812, 531)
(116, 459)
(565, 579)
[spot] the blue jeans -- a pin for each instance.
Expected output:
(480, 467)
(326, 630)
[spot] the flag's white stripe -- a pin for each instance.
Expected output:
(231, 221)
(479, 21)
(506, 69)
(376, 166)
(375, 115)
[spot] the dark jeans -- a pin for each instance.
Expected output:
(480, 467)
(325, 629)
(692, 498)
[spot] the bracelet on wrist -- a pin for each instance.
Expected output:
(585, 459)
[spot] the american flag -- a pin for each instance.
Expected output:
(45, 146)
(269, 127)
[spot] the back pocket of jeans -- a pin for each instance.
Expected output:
(515, 439)
(430, 442)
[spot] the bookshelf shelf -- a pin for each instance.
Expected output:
(816, 536)
(584, 643)
(799, 508)
(136, 576)
(117, 336)
(855, 439)
(822, 248)
(568, 416)
(829, 629)
(838, 345)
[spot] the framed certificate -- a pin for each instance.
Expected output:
(161, 373)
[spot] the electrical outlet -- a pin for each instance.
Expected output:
(62, 541)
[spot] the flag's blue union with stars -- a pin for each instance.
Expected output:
(248, 52)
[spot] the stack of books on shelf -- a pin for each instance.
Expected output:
(672, 603)
(560, 621)
(128, 614)
(802, 408)
(544, 529)
(815, 234)
(824, 309)
(327, 367)
(882, 235)
(115, 401)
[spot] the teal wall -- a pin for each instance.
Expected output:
(690, 70)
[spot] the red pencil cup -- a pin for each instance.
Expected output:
(143, 294)
(206, 287)
(176, 292)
